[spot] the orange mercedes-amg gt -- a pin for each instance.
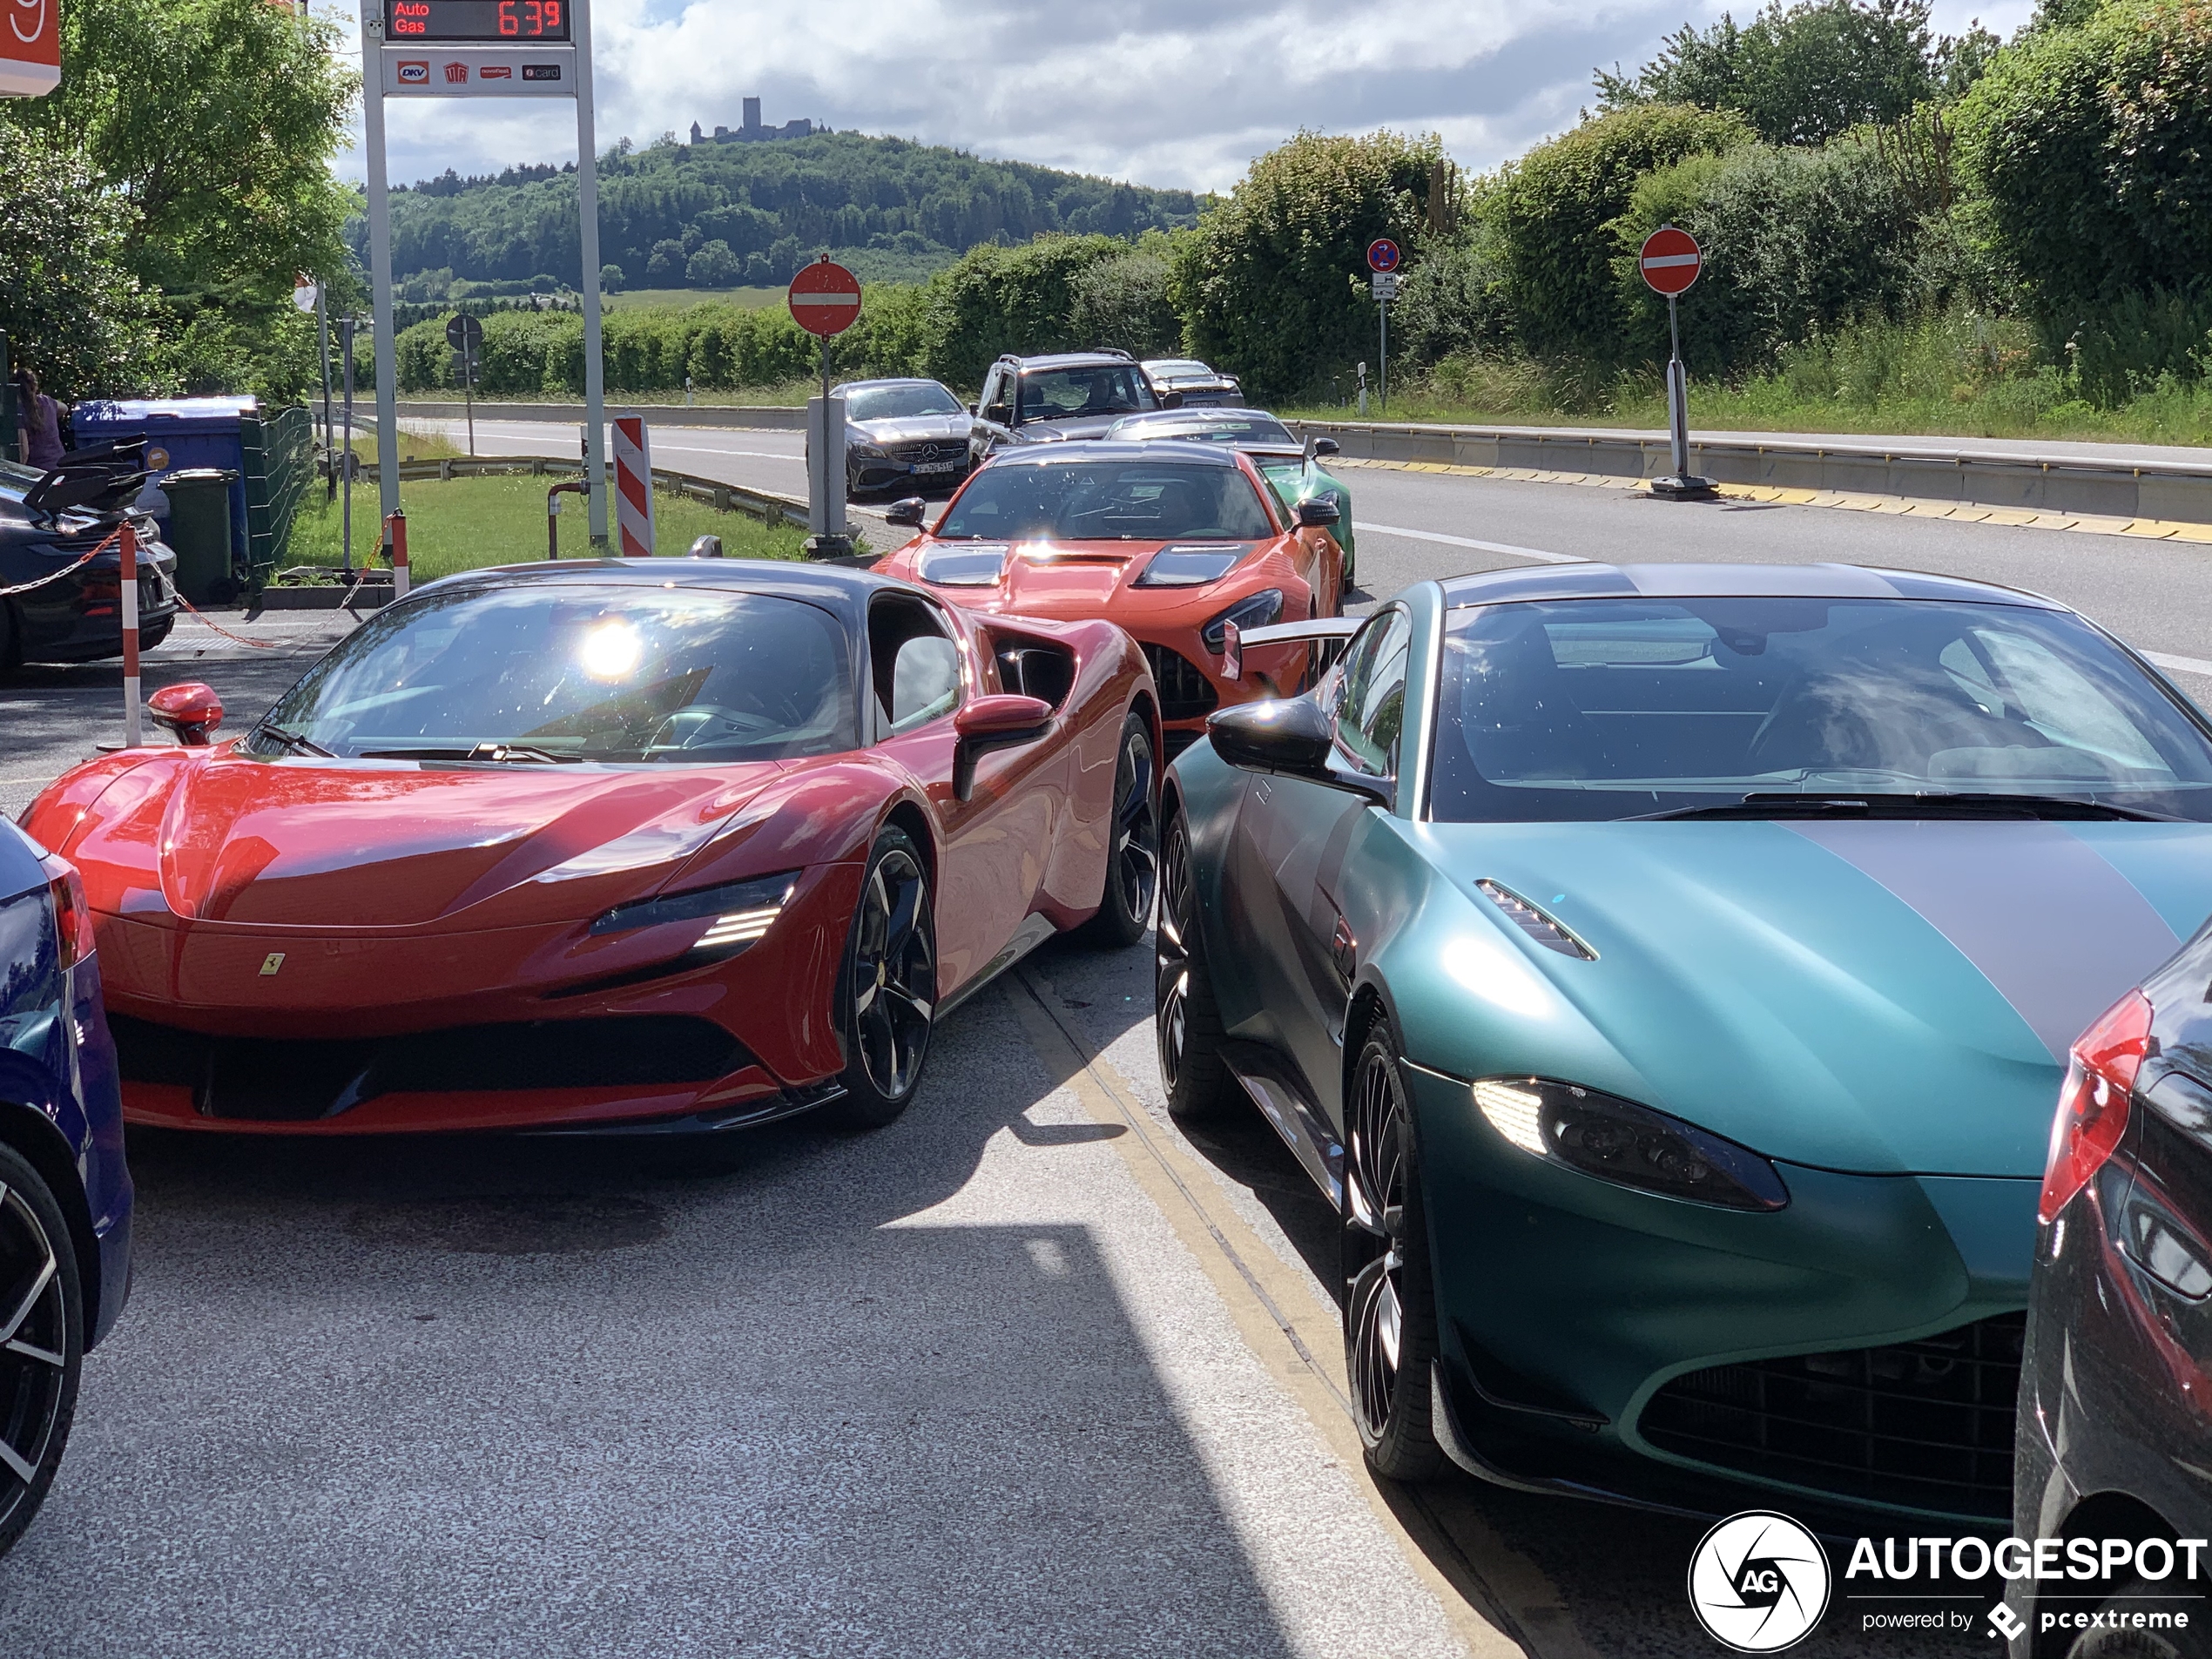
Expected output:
(1181, 544)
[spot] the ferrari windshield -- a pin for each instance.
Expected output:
(1619, 708)
(900, 401)
(552, 672)
(1108, 501)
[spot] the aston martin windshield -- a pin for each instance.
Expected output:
(548, 673)
(899, 402)
(1108, 501)
(1775, 707)
(1244, 427)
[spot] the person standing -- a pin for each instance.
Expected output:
(40, 417)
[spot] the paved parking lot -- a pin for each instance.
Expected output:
(1032, 1372)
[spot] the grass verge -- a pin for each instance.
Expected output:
(470, 523)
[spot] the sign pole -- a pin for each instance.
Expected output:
(1382, 354)
(1678, 393)
(1670, 261)
(346, 514)
(587, 206)
(380, 266)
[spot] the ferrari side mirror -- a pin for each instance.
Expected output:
(984, 724)
(906, 513)
(190, 711)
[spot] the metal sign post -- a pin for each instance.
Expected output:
(479, 49)
(1383, 259)
(466, 335)
(1670, 261)
(346, 344)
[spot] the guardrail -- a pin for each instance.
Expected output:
(764, 505)
(762, 417)
(2180, 490)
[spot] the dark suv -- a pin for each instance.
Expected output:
(1046, 400)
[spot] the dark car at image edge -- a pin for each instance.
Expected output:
(58, 614)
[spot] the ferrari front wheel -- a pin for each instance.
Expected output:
(1133, 842)
(1390, 1301)
(887, 992)
(1187, 1022)
(42, 1341)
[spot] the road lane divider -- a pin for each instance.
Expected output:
(2178, 664)
(1506, 548)
(1301, 1346)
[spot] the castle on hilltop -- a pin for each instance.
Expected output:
(752, 131)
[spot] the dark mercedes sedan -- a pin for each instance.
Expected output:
(2114, 1437)
(50, 612)
(903, 437)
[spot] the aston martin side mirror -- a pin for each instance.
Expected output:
(984, 724)
(1321, 510)
(906, 513)
(1326, 447)
(190, 711)
(707, 547)
(1286, 734)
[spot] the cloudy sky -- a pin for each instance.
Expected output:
(1166, 92)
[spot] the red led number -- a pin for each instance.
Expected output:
(552, 14)
(507, 25)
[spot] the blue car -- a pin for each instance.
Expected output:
(64, 1190)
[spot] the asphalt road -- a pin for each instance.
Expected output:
(1030, 1372)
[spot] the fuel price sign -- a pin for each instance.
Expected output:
(516, 22)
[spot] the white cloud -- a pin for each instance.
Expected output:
(1167, 92)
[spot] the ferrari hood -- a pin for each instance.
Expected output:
(314, 844)
(1865, 996)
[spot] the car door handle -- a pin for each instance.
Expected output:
(1344, 949)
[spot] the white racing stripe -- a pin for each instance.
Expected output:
(1506, 548)
(2181, 664)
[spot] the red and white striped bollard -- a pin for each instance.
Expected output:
(633, 489)
(134, 730)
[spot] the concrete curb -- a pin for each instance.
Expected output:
(2170, 492)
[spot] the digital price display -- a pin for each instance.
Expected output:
(476, 20)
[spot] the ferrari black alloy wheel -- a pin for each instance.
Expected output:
(42, 1341)
(1389, 1305)
(1187, 1023)
(889, 994)
(1133, 855)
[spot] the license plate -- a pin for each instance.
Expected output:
(937, 466)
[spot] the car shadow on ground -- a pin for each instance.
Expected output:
(809, 1393)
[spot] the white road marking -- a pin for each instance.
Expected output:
(2181, 664)
(1506, 548)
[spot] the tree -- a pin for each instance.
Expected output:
(664, 266)
(71, 308)
(713, 266)
(1555, 215)
(1808, 72)
(214, 123)
(1273, 285)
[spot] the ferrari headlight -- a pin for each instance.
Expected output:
(973, 565)
(737, 913)
(1620, 1141)
(1257, 612)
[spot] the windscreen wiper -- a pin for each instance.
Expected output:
(1933, 803)
(525, 753)
(298, 742)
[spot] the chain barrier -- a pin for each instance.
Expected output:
(170, 587)
(44, 581)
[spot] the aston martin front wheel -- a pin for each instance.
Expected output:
(887, 991)
(1133, 842)
(42, 1341)
(1390, 1301)
(1187, 1022)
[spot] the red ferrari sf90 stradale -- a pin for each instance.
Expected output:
(623, 843)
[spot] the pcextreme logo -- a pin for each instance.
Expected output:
(1758, 1583)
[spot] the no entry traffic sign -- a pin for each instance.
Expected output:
(825, 298)
(31, 48)
(1670, 261)
(1383, 255)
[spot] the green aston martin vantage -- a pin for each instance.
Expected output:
(1668, 972)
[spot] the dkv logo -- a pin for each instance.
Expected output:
(1758, 1583)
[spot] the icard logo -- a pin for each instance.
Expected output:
(541, 71)
(415, 71)
(1758, 1583)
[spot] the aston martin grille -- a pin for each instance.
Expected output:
(1185, 693)
(1927, 1423)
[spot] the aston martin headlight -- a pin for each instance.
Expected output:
(1620, 1141)
(972, 564)
(1258, 611)
(737, 913)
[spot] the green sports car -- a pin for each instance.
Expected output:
(1668, 972)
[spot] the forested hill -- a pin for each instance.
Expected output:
(714, 215)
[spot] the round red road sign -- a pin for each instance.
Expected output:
(1382, 255)
(825, 298)
(1670, 261)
